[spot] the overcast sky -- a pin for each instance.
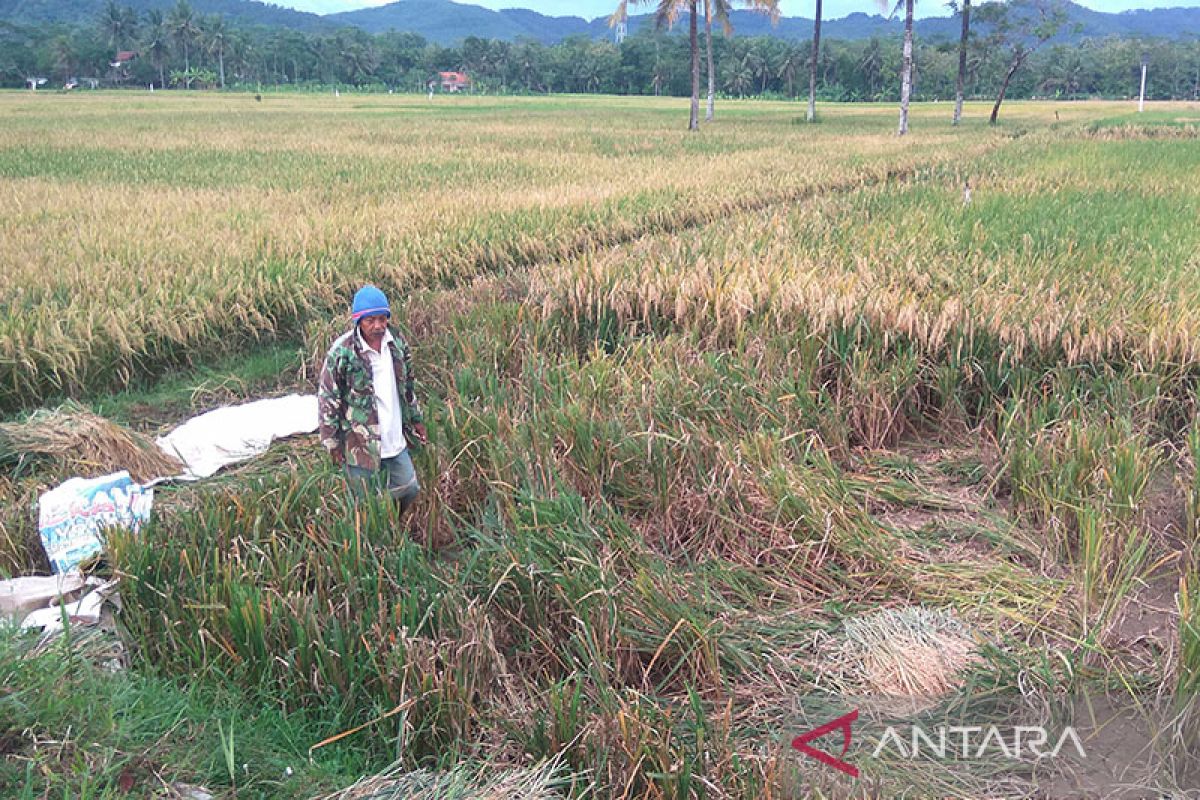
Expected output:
(589, 9)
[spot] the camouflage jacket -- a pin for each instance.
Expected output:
(347, 417)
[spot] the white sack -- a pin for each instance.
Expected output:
(235, 433)
(19, 596)
(84, 611)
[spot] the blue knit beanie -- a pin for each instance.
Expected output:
(369, 302)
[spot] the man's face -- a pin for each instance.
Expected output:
(374, 327)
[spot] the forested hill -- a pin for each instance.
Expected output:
(84, 12)
(445, 22)
(1083, 22)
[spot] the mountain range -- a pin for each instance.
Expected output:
(446, 22)
(239, 12)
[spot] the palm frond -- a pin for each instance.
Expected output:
(668, 12)
(620, 15)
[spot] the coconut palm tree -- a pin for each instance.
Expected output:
(666, 14)
(962, 60)
(720, 10)
(788, 66)
(661, 75)
(183, 28)
(906, 66)
(812, 67)
(760, 67)
(245, 58)
(216, 40)
(63, 51)
(694, 45)
(739, 76)
(712, 77)
(118, 24)
(871, 66)
(156, 43)
(355, 56)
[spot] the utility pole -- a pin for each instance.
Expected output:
(1142, 95)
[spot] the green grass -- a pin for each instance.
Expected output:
(178, 394)
(1173, 118)
(72, 729)
(275, 170)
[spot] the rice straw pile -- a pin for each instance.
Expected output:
(912, 652)
(76, 441)
(460, 783)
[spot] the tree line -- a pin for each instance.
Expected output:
(181, 49)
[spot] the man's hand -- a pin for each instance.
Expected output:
(422, 435)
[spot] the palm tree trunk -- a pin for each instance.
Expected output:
(906, 69)
(162, 77)
(221, 62)
(812, 71)
(1012, 70)
(712, 76)
(694, 117)
(962, 61)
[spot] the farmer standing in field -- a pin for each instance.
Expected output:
(368, 411)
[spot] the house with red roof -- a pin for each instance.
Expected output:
(454, 81)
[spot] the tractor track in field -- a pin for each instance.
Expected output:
(678, 221)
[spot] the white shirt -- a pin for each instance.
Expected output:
(387, 397)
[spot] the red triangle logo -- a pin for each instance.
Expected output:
(843, 724)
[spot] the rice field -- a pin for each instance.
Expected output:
(183, 227)
(1055, 256)
(731, 433)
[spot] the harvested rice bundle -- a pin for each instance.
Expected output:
(74, 439)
